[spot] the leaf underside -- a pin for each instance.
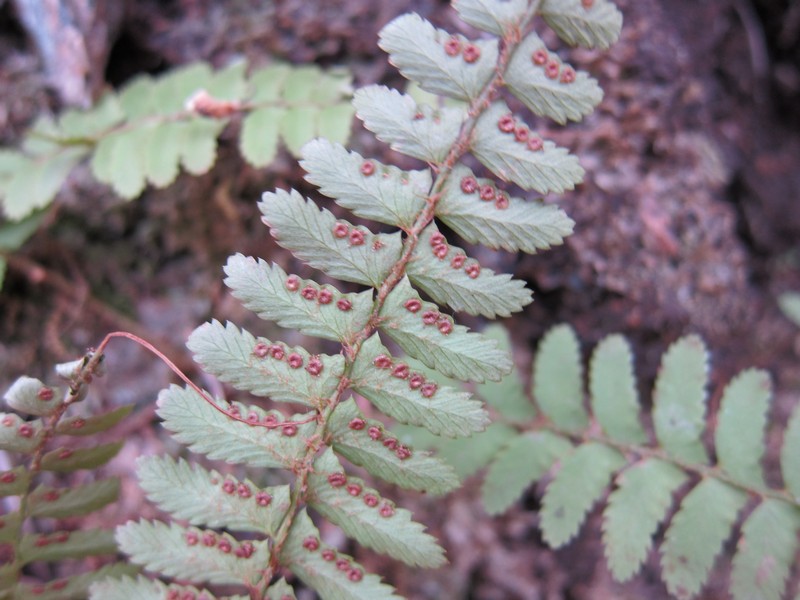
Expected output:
(550, 169)
(524, 460)
(558, 379)
(210, 499)
(395, 534)
(301, 226)
(679, 400)
(387, 195)
(232, 355)
(165, 549)
(416, 48)
(142, 588)
(486, 294)
(595, 27)
(549, 96)
(420, 472)
(459, 353)
(635, 508)
(525, 225)
(206, 430)
(397, 263)
(696, 534)
(583, 478)
(447, 411)
(418, 131)
(323, 576)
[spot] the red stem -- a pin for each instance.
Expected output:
(174, 368)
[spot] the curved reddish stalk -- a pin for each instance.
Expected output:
(174, 368)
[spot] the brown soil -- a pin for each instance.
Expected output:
(686, 223)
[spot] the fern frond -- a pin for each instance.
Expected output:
(281, 590)
(66, 460)
(790, 454)
(154, 127)
(80, 426)
(141, 588)
(261, 134)
(506, 396)
(120, 163)
(30, 396)
(524, 460)
(72, 502)
(766, 551)
(499, 18)
(679, 399)
(14, 481)
(36, 181)
(649, 476)
(301, 304)
(10, 531)
(637, 506)
(583, 477)
(38, 499)
(75, 587)
(59, 545)
(304, 102)
(333, 574)
(595, 26)
(741, 421)
(465, 456)
(558, 379)
(612, 387)
(412, 255)
(18, 435)
(696, 534)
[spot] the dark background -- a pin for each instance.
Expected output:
(687, 222)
